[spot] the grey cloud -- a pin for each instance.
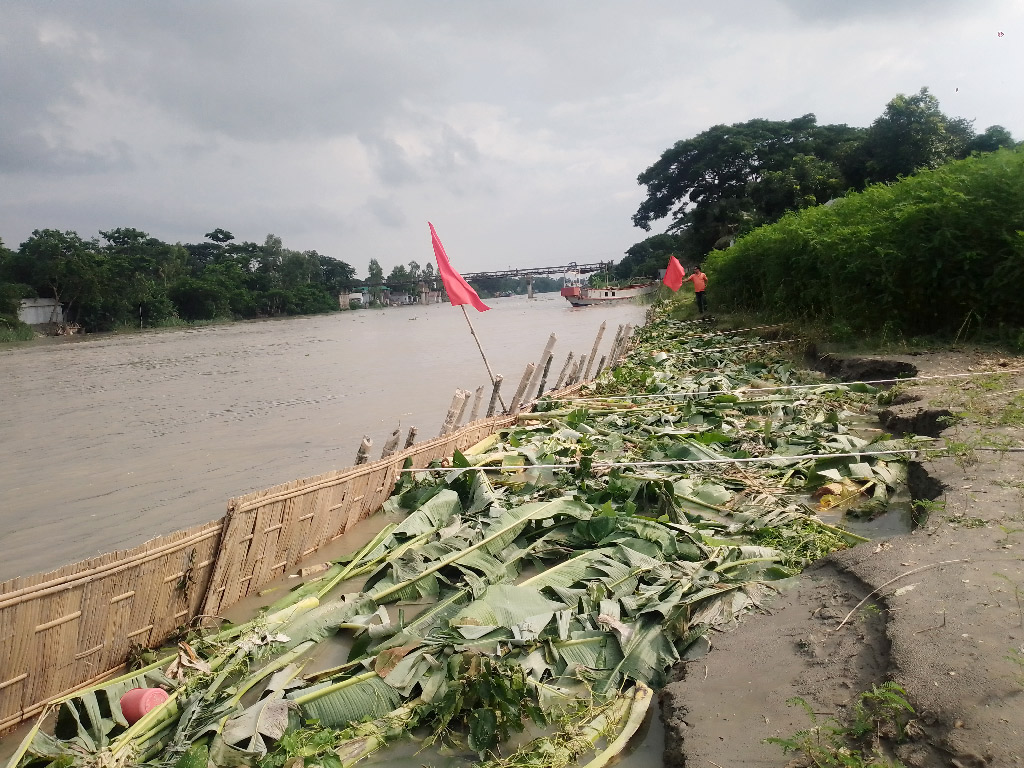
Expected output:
(387, 212)
(841, 10)
(28, 152)
(391, 161)
(453, 152)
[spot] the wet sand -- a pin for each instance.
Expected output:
(108, 441)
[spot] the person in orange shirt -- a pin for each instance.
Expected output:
(700, 282)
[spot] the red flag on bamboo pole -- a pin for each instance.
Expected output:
(459, 291)
(674, 274)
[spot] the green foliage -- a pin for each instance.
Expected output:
(918, 256)
(883, 710)
(485, 699)
(913, 134)
(730, 179)
(132, 280)
(645, 258)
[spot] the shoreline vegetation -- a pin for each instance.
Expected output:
(125, 279)
(552, 575)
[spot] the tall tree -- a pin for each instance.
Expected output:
(375, 278)
(994, 137)
(132, 289)
(399, 277)
(731, 178)
(63, 266)
(337, 275)
(913, 134)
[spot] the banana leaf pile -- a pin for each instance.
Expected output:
(545, 580)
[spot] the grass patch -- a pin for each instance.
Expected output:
(22, 333)
(881, 713)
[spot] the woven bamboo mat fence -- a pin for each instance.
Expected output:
(69, 628)
(269, 532)
(62, 629)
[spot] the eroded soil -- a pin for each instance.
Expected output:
(944, 616)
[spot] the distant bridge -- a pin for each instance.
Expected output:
(582, 269)
(527, 272)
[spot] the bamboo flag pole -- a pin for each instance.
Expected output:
(476, 338)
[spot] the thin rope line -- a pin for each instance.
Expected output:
(682, 462)
(829, 384)
(738, 330)
(698, 350)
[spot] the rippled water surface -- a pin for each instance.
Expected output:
(106, 441)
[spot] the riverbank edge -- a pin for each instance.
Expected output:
(937, 611)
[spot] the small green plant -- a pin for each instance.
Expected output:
(1017, 657)
(967, 522)
(1016, 595)
(963, 452)
(1012, 414)
(925, 507)
(881, 712)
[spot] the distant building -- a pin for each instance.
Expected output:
(40, 312)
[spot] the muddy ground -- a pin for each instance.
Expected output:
(939, 611)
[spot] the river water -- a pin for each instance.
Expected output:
(106, 441)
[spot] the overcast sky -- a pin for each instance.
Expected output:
(517, 128)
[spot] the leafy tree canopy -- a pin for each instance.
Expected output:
(127, 278)
(731, 179)
(645, 258)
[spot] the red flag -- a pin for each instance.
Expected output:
(459, 291)
(674, 274)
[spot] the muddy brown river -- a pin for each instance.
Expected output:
(106, 441)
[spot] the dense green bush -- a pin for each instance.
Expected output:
(936, 253)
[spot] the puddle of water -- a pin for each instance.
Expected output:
(895, 521)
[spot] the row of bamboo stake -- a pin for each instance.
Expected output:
(69, 628)
(533, 382)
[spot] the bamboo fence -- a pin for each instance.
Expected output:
(66, 629)
(63, 629)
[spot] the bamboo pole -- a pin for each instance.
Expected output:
(593, 351)
(612, 355)
(392, 444)
(363, 454)
(476, 338)
(411, 438)
(535, 379)
(495, 397)
(477, 399)
(565, 370)
(517, 399)
(577, 371)
(600, 366)
(544, 376)
(462, 409)
(453, 412)
(627, 333)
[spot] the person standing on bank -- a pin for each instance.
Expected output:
(700, 282)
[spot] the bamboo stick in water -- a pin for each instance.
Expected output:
(517, 399)
(363, 454)
(495, 395)
(593, 351)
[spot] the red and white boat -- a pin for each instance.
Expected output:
(585, 296)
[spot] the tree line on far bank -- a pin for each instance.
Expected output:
(125, 278)
(731, 179)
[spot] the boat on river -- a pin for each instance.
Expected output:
(585, 296)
